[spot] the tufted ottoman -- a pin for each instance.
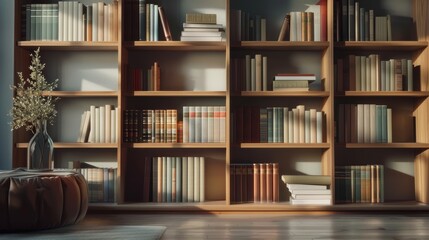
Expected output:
(33, 199)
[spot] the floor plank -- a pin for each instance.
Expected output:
(276, 226)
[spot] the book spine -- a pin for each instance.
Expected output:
(184, 179)
(256, 183)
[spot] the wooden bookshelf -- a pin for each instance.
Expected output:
(209, 66)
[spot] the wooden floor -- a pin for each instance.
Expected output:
(277, 226)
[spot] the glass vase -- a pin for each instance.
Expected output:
(40, 148)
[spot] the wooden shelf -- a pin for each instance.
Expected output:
(321, 94)
(416, 94)
(382, 45)
(75, 145)
(285, 145)
(82, 93)
(258, 207)
(177, 46)
(281, 45)
(180, 93)
(388, 145)
(71, 46)
(178, 145)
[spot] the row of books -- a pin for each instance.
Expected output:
(364, 123)
(150, 126)
(99, 125)
(359, 184)
(145, 79)
(101, 183)
(308, 189)
(204, 124)
(170, 179)
(248, 27)
(369, 73)
(143, 21)
(279, 125)
(257, 182)
(250, 73)
(71, 21)
(300, 26)
(355, 23)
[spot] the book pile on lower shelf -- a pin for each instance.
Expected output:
(257, 182)
(308, 189)
(202, 27)
(101, 183)
(98, 125)
(359, 184)
(279, 125)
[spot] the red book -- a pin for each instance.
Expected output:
(269, 175)
(263, 182)
(276, 182)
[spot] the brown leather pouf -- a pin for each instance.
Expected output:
(31, 199)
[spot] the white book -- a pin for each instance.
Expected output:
(198, 124)
(92, 124)
(201, 29)
(319, 125)
(368, 74)
(216, 124)
(310, 191)
(169, 179)
(155, 23)
(202, 33)
(311, 196)
(202, 179)
(310, 201)
(258, 72)
(294, 186)
(293, 26)
(222, 124)
(80, 22)
(210, 124)
(307, 126)
(106, 23)
(184, 179)
(102, 128)
(190, 179)
(97, 125)
(75, 20)
(392, 74)
(113, 126)
(116, 126)
(196, 179)
(108, 123)
(95, 22)
(70, 21)
(185, 124)
(151, 21)
(313, 126)
(389, 125)
(200, 25)
(295, 125)
(60, 20)
(264, 73)
(178, 179)
(204, 124)
(298, 23)
(100, 22)
(65, 24)
(164, 179)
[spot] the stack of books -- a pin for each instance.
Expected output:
(202, 27)
(305, 189)
(292, 82)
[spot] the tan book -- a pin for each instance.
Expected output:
(276, 179)
(263, 182)
(284, 30)
(258, 72)
(100, 22)
(164, 24)
(303, 26)
(256, 183)
(301, 123)
(310, 26)
(269, 175)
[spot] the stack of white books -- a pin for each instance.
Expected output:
(305, 189)
(202, 32)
